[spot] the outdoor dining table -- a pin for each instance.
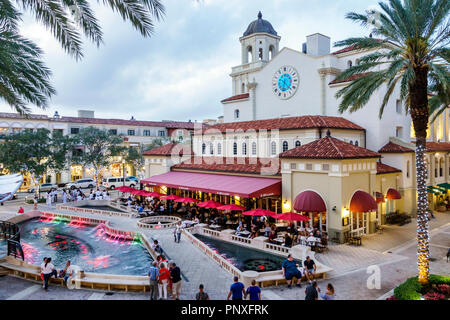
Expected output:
(279, 240)
(312, 241)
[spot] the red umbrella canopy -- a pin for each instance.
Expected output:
(291, 216)
(134, 191)
(209, 204)
(125, 189)
(231, 207)
(171, 197)
(259, 212)
(186, 199)
(154, 194)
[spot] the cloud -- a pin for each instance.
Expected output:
(182, 71)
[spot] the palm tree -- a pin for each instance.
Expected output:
(23, 77)
(411, 51)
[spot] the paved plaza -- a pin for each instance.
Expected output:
(394, 251)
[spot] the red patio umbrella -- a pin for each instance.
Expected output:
(125, 189)
(154, 194)
(231, 207)
(171, 197)
(291, 216)
(187, 200)
(209, 204)
(259, 212)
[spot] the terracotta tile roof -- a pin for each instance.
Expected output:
(236, 97)
(438, 146)
(329, 148)
(384, 168)
(351, 78)
(267, 166)
(302, 122)
(346, 49)
(168, 150)
(165, 124)
(394, 148)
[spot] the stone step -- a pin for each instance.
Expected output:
(4, 271)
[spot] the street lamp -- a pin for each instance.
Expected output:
(123, 171)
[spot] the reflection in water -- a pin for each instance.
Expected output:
(243, 258)
(85, 246)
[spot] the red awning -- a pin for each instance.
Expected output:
(245, 187)
(309, 201)
(393, 194)
(363, 202)
(379, 197)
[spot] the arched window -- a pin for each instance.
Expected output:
(244, 149)
(298, 143)
(349, 64)
(254, 148)
(273, 148)
(203, 148)
(351, 141)
(243, 88)
(356, 143)
(219, 148)
(285, 146)
(236, 114)
(271, 52)
(235, 149)
(260, 54)
(357, 62)
(408, 169)
(211, 148)
(436, 164)
(249, 54)
(441, 167)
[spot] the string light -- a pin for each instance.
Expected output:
(423, 237)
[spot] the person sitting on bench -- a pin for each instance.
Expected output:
(310, 268)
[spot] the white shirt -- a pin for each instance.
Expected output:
(47, 269)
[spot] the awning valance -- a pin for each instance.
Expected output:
(245, 187)
(393, 194)
(362, 202)
(309, 201)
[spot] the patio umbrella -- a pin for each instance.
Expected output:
(231, 207)
(171, 197)
(209, 204)
(125, 189)
(259, 212)
(186, 199)
(154, 194)
(291, 216)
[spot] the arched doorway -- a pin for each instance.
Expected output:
(313, 204)
(361, 204)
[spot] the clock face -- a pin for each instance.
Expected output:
(285, 82)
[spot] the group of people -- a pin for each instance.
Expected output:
(75, 194)
(165, 278)
(48, 270)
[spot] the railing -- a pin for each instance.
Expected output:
(276, 248)
(11, 232)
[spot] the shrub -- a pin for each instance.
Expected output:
(411, 289)
(40, 200)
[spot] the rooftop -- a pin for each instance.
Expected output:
(384, 168)
(169, 149)
(329, 148)
(267, 166)
(291, 123)
(260, 26)
(236, 97)
(394, 148)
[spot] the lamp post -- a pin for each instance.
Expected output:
(123, 171)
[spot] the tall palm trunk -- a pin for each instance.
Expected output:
(420, 115)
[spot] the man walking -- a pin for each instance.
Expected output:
(175, 276)
(237, 290)
(178, 232)
(153, 274)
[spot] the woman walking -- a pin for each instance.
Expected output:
(164, 275)
(48, 269)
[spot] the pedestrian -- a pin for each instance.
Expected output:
(153, 275)
(237, 290)
(290, 270)
(156, 247)
(164, 275)
(310, 268)
(201, 295)
(311, 291)
(64, 196)
(35, 202)
(48, 269)
(178, 230)
(21, 210)
(254, 291)
(329, 294)
(175, 276)
(42, 273)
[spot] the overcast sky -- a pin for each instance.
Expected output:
(182, 71)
